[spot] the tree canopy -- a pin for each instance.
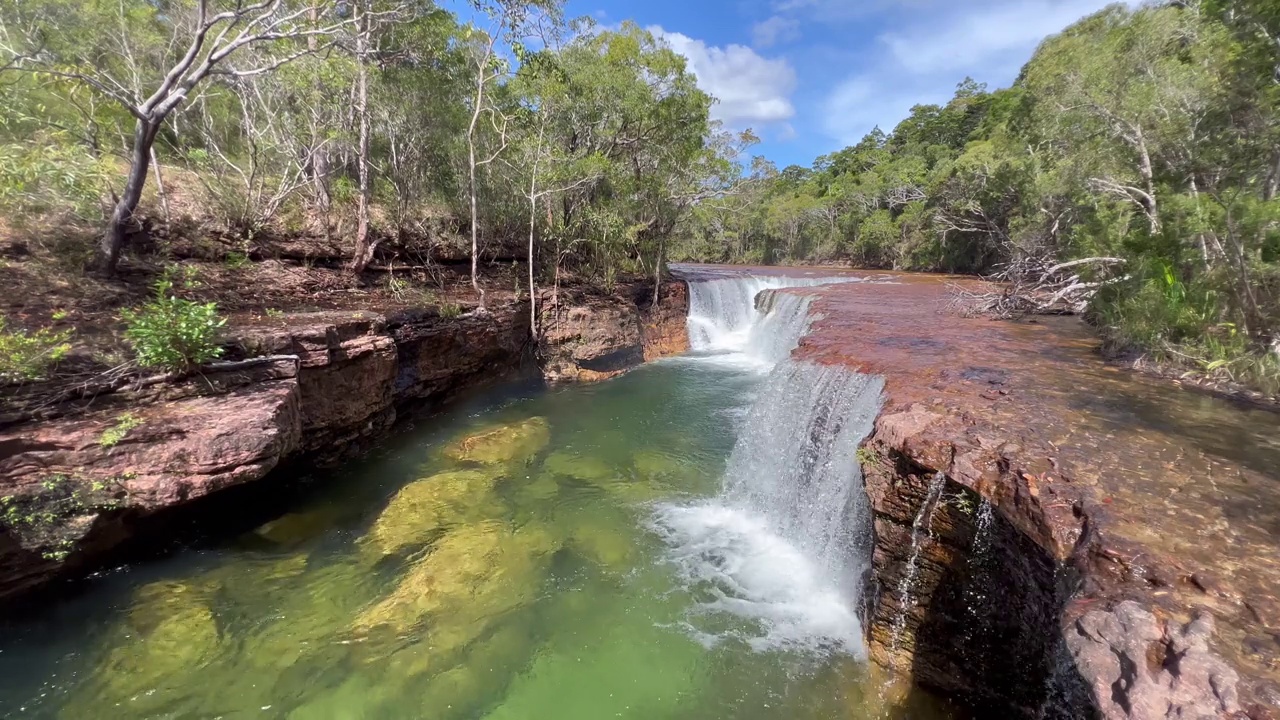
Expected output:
(1139, 149)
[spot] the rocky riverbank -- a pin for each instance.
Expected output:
(1055, 536)
(80, 478)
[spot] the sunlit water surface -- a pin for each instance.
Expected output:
(566, 566)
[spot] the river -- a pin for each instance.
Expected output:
(685, 541)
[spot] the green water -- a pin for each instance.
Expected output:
(497, 562)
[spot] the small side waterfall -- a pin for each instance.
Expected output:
(921, 528)
(783, 547)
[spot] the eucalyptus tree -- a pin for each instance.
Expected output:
(206, 40)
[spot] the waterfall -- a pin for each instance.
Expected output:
(776, 559)
(730, 318)
(921, 528)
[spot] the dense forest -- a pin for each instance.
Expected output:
(1131, 171)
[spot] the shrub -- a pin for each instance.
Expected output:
(173, 333)
(114, 434)
(29, 356)
(50, 173)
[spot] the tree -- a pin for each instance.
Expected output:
(210, 40)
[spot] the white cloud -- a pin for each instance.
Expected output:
(776, 29)
(751, 89)
(923, 58)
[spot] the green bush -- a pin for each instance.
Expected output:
(29, 356)
(49, 173)
(173, 333)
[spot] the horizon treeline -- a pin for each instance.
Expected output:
(1141, 145)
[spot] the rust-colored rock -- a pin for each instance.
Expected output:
(1104, 487)
(663, 327)
(73, 492)
(331, 383)
(1143, 669)
(595, 337)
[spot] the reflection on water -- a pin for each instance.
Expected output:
(499, 564)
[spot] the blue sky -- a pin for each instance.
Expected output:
(812, 76)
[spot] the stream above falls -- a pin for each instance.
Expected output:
(685, 541)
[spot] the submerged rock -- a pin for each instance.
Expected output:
(583, 467)
(423, 509)
(510, 443)
(603, 542)
(295, 528)
(450, 683)
(538, 490)
(168, 636)
(656, 466)
(474, 573)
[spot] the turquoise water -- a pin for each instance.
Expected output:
(505, 561)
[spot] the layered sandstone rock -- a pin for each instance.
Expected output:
(1040, 520)
(594, 337)
(83, 475)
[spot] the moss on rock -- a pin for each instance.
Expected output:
(422, 510)
(509, 443)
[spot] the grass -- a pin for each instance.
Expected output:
(1188, 325)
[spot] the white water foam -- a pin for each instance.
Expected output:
(785, 544)
(734, 557)
(729, 323)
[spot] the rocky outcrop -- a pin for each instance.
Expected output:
(86, 475)
(1145, 669)
(597, 336)
(1035, 556)
(72, 487)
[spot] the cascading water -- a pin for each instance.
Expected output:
(921, 528)
(785, 543)
(731, 319)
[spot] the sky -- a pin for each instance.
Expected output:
(813, 76)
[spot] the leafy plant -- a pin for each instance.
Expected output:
(450, 310)
(865, 456)
(49, 172)
(29, 356)
(236, 260)
(397, 287)
(114, 434)
(174, 333)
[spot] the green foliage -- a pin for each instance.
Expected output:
(865, 456)
(450, 310)
(38, 519)
(114, 434)
(30, 356)
(173, 333)
(48, 174)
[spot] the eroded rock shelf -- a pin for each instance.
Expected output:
(1106, 543)
(317, 388)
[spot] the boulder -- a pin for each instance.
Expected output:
(1143, 669)
(511, 443)
(424, 509)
